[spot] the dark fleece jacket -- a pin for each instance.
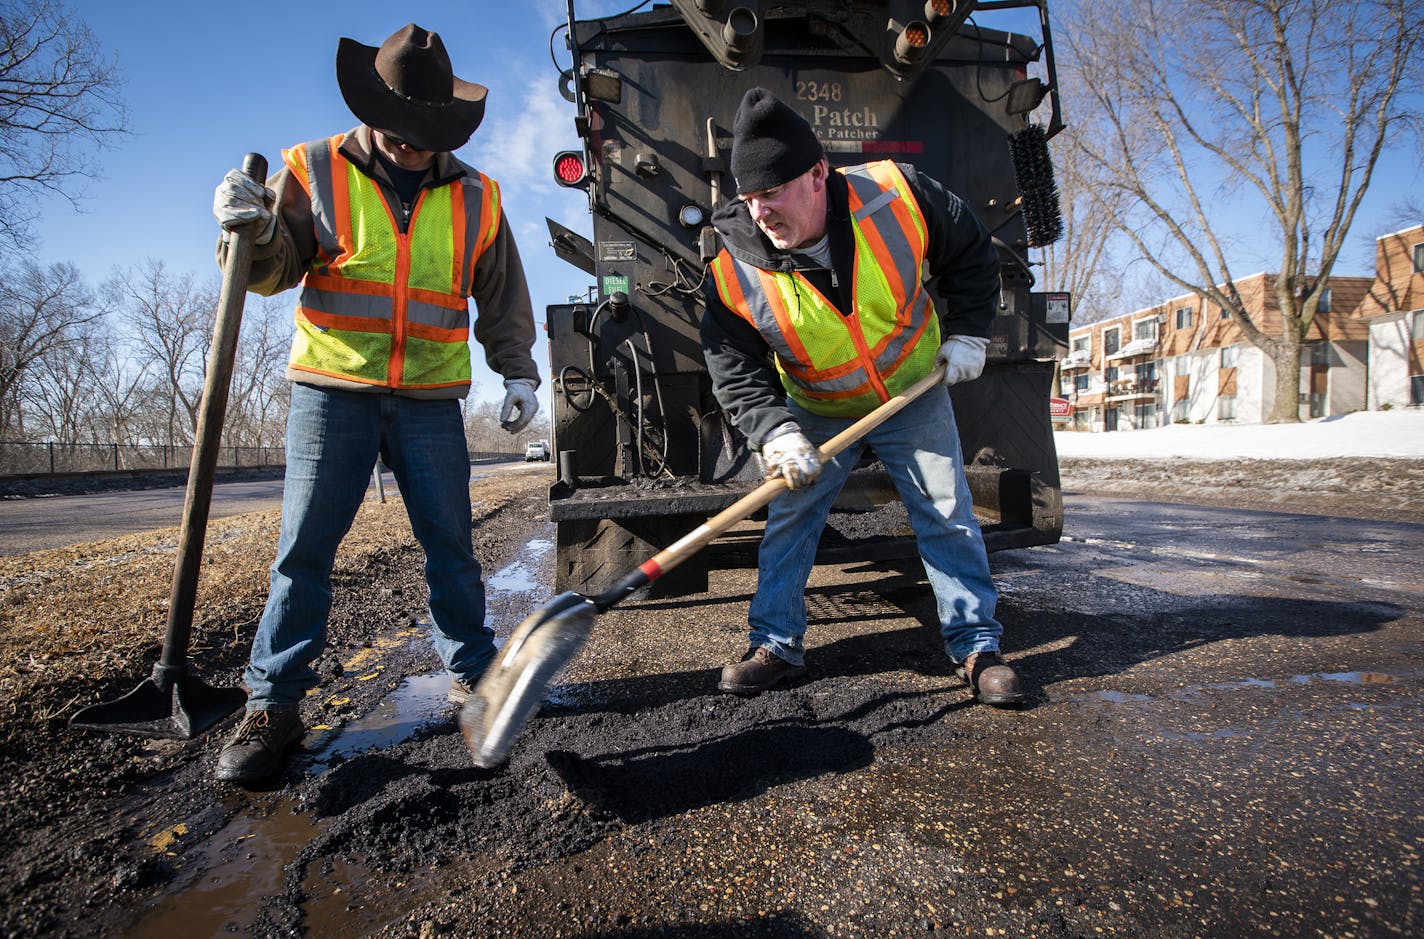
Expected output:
(961, 261)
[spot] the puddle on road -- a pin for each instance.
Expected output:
(522, 576)
(221, 883)
(417, 700)
(235, 868)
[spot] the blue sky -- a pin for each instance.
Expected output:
(206, 82)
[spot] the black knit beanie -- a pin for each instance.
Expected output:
(771, 143)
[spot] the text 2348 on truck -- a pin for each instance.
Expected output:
(643, 452)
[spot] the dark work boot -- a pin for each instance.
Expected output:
(758, 670)
(993, 680)
(258, 749)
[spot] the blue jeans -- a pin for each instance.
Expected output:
(919, 448)
(333, 438)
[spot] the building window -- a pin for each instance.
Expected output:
(1145, 416)
(1416, 389)
(1324, 305)
(1080, 382)
(1146, 329)
(1080, 344)
(1182, 364)
(1110, 374)
(1419, 258)
(1416, 329)
(1320, 353)
(1184, 317)
(1112, 340)
(1226, 408)
(1228, 356)
(1223, 312)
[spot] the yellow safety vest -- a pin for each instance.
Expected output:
(381, 307)
(845, 365)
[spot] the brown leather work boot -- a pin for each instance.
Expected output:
(258, 749)
(759, 670)
(994, 681)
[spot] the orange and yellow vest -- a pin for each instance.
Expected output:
(381, 307)
(845, 365)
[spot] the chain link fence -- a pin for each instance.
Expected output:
(22, 458)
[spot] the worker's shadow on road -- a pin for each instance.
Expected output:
(671, 779)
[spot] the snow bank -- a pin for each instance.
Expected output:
(1395, 433)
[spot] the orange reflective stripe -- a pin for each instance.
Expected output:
(729, 287)
(489, 214)
(783, 319)
(340, 206)
(878, 248)
(436, 333)
(296, 160)
(888, 175)
(355, 324)
(457, 219)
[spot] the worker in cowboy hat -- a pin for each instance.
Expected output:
(388, 235)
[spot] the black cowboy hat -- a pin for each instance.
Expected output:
(408, 88)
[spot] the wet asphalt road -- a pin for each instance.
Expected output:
(1224, 739)
(58, 521)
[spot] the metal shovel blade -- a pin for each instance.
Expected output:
(510, 691)
(178, 707)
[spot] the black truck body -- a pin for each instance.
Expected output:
(642, 450)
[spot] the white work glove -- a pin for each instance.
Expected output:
(518, 396)
(788, 454)
(963, 358)
(239, 200)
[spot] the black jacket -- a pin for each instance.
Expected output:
(961, 260)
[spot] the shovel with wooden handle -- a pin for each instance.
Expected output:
(173, 702)
(512, 688)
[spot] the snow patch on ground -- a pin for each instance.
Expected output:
(1394, 433)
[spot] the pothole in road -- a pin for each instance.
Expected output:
(222, 882)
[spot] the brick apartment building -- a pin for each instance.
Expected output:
(1186, 361)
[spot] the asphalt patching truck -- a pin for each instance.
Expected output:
(643, 452)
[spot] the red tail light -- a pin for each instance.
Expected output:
(569, 168)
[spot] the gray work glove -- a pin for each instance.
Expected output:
(239, 200)
(788, 454)
(518, 396)
(963, 358)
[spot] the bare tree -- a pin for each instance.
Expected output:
(170, 318)
(59, 104)
(1085, 260)
(60, 388)
(258, 396)
(1210, 106)
(43, 312)
(121, 394)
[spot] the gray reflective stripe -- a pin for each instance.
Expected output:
(319, 177)
(474, 203)
(765, 321)
(874, 204)
(760, 308)
(907, 262)
(431, 314)
(340, 303)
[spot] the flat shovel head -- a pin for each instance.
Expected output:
(513, 687)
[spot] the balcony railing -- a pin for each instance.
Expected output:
(1133, 388)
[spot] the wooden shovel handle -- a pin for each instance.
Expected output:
(697, 539)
